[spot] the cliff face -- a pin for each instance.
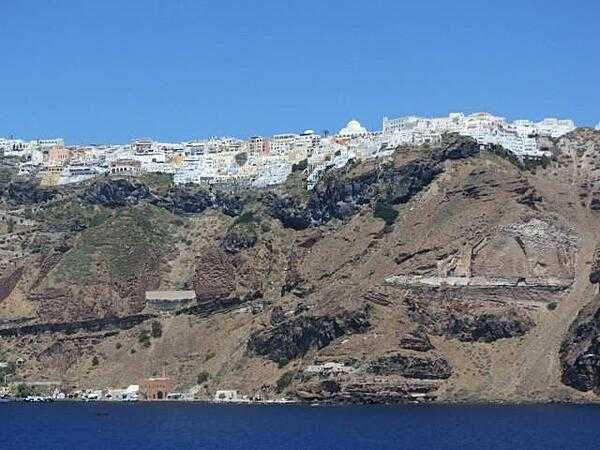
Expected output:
(442, 272)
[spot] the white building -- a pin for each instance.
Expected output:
(227, 396)
(282, 143)
(263, 161)
(13, 147)
(45, 144)
(555, 127)
(353, 129)
(519, 136)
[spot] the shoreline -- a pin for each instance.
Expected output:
(313, 404)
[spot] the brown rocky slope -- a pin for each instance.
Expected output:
(442, 273)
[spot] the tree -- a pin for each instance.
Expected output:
(384, 210)
(144, 338)
(302, 165)
(23, 391)
(285, 379)
(241, 158)
(156, 329)
(203, 377)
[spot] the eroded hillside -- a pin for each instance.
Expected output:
(443, 273)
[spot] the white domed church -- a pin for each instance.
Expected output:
(353, 129)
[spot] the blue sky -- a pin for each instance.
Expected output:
(109, 71)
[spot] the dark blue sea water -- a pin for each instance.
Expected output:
(109, 426)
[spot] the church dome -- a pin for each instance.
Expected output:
(353, 128)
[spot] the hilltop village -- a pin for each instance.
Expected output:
(262, 161)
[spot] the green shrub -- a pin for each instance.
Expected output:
(285, 379)
(144, 338)
(385, 211)
(302, 165)
(23, 391)
(203, 377)
(246, 217)
(241, 158)
(156, 329)
(95, 361)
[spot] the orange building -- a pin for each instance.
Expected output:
(156, 388)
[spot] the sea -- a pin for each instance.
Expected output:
(181, 425)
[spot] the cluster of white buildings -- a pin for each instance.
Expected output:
(262, 161)
(519, 137)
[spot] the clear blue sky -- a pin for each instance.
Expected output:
(112, 70)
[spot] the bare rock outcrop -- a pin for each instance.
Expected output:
(469, 322)
(580, 351)
(194, 200)
(19, 193)
(289, 339)
(431, 367)
(416, 340)
(238, 238)
(116, 192)
(341, 193)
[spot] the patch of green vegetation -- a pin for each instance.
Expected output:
(385, 211)
(95, 361)
(285, 379)
(302, 165)
(158, 182)
(75, 265)
(23, 391)
(203, 377)
(246, 217)
(73, 211)
(241, 158)
(6, 175)
(156, 329)
(282, 363)
(125, 244)
(144, 338)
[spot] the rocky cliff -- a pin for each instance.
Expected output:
(444, 272)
